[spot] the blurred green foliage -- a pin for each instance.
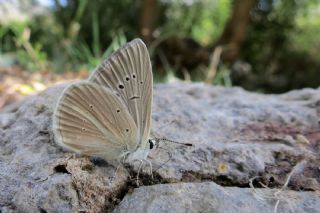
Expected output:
(201, 20)
(281, 47)
(78, 33)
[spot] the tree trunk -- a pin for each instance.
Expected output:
(147, 19)
(234, 32)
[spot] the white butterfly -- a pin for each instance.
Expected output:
(109, 115)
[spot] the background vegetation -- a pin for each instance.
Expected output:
(261, 45)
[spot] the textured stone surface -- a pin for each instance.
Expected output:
(237, 135)
(210, 197)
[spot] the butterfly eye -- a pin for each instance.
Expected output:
(91, 106)
(83, 129)
(127, 130)
(133, 76)
(118, 110)
(151, 144)
(127, 78)
(121, 86)
(141, 82)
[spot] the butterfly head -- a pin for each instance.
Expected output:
(153, 143)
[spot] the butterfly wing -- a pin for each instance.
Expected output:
(128, 73)
(92, 120)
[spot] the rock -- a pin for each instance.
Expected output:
(236, 135)
(6, 119)
(210, 197)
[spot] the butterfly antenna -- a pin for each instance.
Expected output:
(171, 141)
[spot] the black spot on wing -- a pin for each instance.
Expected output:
(134, 97)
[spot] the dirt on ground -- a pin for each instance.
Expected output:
(17, 82)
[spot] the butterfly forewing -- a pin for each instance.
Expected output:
(128, 73)
(92, 120)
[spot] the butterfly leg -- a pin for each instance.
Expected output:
(121, 162)
(150, 166)
(115, 174)
(140, 166)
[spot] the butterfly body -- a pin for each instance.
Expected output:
(109, 115)
(137, 155)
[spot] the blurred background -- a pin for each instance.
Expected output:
(269, 46)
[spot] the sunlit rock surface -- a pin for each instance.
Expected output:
(236, 136)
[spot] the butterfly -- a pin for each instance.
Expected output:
(109, 114)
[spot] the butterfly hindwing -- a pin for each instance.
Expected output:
(128, 73)
(92, 120)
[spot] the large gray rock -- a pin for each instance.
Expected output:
(237, 135)
(210, 197)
